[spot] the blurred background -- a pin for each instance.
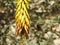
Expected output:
(45, 23)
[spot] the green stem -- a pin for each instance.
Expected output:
(22, 40)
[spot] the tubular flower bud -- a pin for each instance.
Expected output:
(22, 17)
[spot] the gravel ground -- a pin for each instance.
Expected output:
(45, 23)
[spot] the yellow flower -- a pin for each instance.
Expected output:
(22, 17)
